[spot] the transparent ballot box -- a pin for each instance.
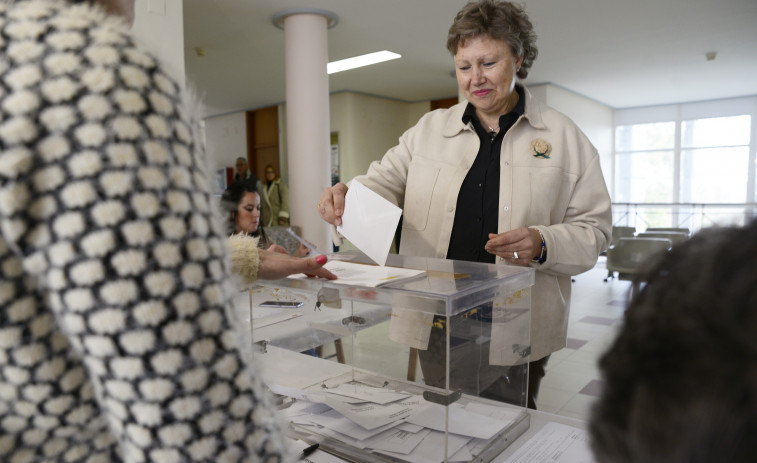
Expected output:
(421, 360)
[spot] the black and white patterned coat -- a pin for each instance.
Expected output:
(116, 343)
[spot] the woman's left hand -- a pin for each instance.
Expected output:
(274, 265)
(519, 246)
(302, 251)
(277, 248)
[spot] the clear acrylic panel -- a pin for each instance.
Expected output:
(434, 364)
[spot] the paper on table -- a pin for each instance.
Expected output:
(371, 416)
(367, 393)
(476, 446)
(431, 450)
(300, 408)
(396, 440)
(354, 274)
(555, 442)
(367, 415)
(369, 221)
(335, 421)
(506, 414)
(461, 421)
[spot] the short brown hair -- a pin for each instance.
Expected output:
(499, 20)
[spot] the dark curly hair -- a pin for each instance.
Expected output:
(499, 20)
(681, 377)
(232, 196)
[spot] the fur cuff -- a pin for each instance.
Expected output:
(245, 260)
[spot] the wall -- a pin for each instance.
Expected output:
(594, 119)
(226, 139)
(415, 111)
(368, 126)
(159, 26)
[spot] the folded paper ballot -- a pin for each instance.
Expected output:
(369, 221)
(354, 274)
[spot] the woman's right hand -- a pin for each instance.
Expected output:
(331, 204)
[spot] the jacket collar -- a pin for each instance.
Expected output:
(454, 124)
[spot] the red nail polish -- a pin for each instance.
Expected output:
(321, 259)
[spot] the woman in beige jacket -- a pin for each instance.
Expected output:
(276, 197)
(498, 178)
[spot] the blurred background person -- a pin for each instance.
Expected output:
(242, 201)
(242, 173)
(498, 178)
(680, 380)
(277, 197)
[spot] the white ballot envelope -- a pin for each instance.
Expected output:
(369, 221)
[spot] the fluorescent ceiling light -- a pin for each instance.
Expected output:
(360, 61)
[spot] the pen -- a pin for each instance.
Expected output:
(308, 450)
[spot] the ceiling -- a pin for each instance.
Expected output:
(622, 53)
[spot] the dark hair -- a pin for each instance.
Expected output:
(232, 196)
(681, 377)
(503, 21)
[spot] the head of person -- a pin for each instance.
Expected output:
(681, 377)
(492, 42)
(270, 174)
(123, 8)
(242, 200)
(241, 166)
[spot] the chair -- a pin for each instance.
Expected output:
(675, 237)
(672, 229)
(630, 255)
(617, 234)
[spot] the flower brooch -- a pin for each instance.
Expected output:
(540, 148)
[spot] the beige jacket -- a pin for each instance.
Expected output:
(277, 201)
(563, 195)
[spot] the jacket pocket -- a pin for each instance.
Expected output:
(421, 181)
(550, 191)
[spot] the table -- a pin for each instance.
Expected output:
(301, 371)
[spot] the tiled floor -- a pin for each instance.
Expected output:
(572, 381)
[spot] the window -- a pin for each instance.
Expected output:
(644, 163)
(690, 165)
(715, 160)
(713, 166)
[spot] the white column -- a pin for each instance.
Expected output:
(307, 117)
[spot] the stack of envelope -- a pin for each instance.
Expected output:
(397, 424)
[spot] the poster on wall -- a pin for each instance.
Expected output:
(334, 164)
(223, 178)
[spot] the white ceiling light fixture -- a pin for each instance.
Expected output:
(360, 61)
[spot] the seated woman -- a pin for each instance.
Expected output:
(242, 200)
